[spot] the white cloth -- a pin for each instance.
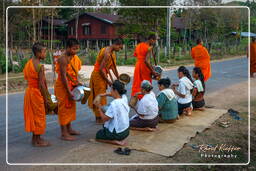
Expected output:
(185, 85)
(168, 93)
(198, 84)
(148, 106)
(118, 111)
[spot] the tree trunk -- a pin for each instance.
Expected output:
(34, 25)
(77, 19)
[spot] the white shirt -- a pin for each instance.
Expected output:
(185, 85)
(148, 106)
(118, 111)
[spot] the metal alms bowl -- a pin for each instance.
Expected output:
(125, 78)
(78, 92)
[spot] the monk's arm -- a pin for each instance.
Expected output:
(192, 53)
(63, 64)
(102, 66)
(148, 63)
(114, 69)
(42, 82)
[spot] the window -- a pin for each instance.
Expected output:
(103, 29)
(86, 29)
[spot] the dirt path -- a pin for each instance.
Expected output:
(235, 97)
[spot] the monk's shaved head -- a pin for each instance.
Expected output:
(253, 39)
(198, 41)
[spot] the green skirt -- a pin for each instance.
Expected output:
(105, 134)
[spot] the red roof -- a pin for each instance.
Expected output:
(108, 18)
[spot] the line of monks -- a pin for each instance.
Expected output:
(37, 101)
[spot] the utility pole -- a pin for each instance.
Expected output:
(168, 25)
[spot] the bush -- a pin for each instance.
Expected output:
(3, 62)
(92, 55)
(129, 61)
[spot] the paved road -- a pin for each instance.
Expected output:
(224, 74)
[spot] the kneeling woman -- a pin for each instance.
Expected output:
(198, 90)
(116, 118)
(167, 103)
(146, 109)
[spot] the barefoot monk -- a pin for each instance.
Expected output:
(101, 77)
(67, 68)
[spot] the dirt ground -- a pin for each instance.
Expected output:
(235, 97)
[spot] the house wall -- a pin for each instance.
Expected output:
(95, 29)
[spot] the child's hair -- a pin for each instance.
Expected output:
(152, 36)
(146, 85)
(198, 41)
(166, 82)
(200, 75)
(185, 71)
(72, 42)
(119, 87)
(37, 47)
(118, 41)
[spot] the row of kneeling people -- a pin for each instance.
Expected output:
(171, 101)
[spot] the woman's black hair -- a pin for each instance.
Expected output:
(166, 82)
(185, 71)
(119, 87)
(198, 71)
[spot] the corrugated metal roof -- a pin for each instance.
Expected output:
(108, 18)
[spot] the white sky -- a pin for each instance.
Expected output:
(223, 1)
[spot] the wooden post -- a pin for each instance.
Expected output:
(97, 45)
(87, 42)
(51, 55)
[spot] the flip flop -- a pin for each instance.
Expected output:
(127, 151)
(119, 151)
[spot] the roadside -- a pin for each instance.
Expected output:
(17, 84)
(236, 134)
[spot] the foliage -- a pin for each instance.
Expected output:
(3, 62)
(142, 21)
(92, 55)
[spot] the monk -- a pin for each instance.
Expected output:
(101, 77)
(252, 57)
(34, 100)
(143, 69)
(68, 65)
(202, 59)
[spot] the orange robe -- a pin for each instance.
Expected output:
(98, 84)
(253, 57)
(141, 71)
(66, 107)
(34, 110)
(202, 60)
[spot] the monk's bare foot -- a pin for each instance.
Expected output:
(68, 138)
(99, 121)
(73, 132)
(41, 143)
